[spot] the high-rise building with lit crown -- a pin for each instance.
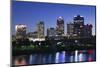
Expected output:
(20, 31)
(60, 26)
(40, 29)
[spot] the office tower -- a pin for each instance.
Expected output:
(51, 32)
(40, 29)
(70, 29)
(60, 26)
(79, 25)
(79, 20)
(20, 31)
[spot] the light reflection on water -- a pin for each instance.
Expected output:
(59, 57)
(76, 55)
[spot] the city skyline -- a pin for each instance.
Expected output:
(31, 13)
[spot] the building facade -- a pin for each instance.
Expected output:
(88, 30)
(60, 26)
(33, 34)
(51, 32)
(20, 31)
(79, 25)
(40, 29)
(70, 29)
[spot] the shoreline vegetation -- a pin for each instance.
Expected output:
(21, 47)
(20, 51)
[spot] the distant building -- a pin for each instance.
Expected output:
(79, 25)
(79, 20)
(51, 32)
(88, 30)
(40, 29)
(78, 28)
(20, 31)
(33, 34)
(60, 26)
(70, 29)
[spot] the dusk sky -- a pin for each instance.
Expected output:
(30, 13)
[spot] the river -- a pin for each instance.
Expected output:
(58, 57)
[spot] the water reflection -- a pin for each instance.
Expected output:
(76, 55)
(59, 57)
(20, 61)
(71, 58)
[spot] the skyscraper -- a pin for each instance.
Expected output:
(70, 29)
(79, 20)
(60, 26)
(40, 29)
(79, 25)
(20, 31)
